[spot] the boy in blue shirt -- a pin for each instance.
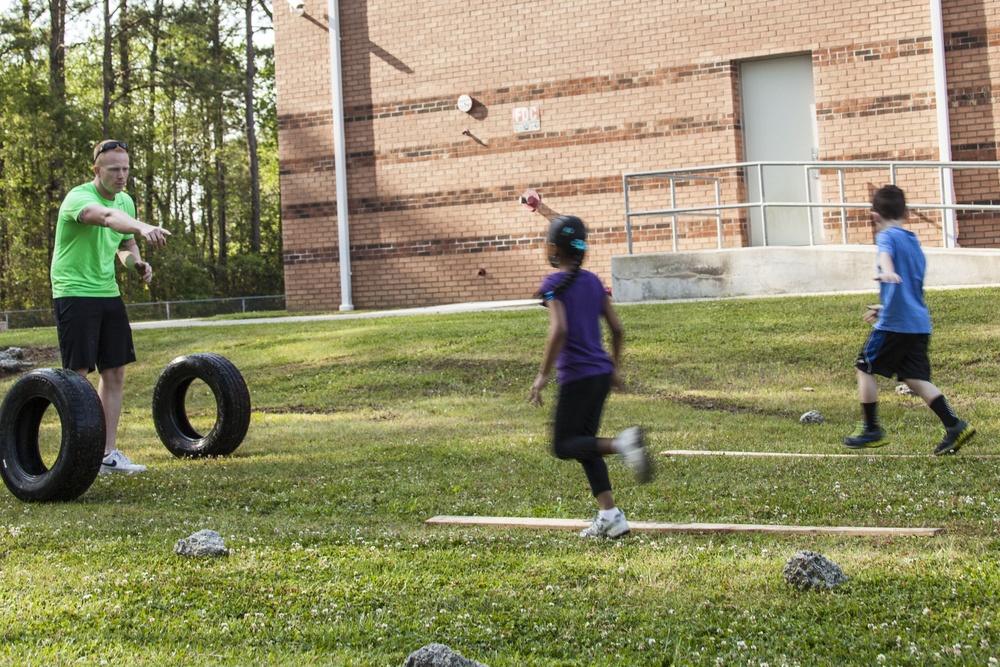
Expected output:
(902, 328)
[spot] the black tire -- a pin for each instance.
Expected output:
(81, 447)
(232, 402)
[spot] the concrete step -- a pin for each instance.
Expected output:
(778, 270)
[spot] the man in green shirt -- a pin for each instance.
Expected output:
(97, 224)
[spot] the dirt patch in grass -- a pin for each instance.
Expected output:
(295, 410)
(714, 404)
(44, 356)
(368, 413)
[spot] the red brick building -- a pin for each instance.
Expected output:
(568, 96)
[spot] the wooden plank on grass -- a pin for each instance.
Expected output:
(643, 526)
(803, 455)
(794, 455)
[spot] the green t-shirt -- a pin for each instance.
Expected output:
(83, 261)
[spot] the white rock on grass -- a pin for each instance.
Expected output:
(439, 655)
(810, 570)
(203, 543)
(811, 417)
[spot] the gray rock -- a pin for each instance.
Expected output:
(11, 365)
(811, 417)
(12, 360)
(439, 655)
(202, 543)
(808, 569)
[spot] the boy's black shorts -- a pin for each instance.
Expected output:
(94, 332)
(889, 352)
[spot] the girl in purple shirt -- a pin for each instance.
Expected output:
(576, 300)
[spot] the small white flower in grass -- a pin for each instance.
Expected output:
(741, 645)
(994, 661)
(927, 611)
(880, 657)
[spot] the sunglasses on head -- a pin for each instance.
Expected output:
(110, 146)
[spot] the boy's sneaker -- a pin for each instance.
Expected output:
(954, 438)
(613, 529)
(865, 437)
(118, 462)
(631, 446)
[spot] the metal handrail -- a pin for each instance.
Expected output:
(944, 170)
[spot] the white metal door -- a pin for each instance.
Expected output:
(779, 125)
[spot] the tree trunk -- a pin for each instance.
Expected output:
(57, 56)
(4, 235)
(57, 103)
(124, 61)
(218, 133)
(172, 203)
(252, 135)
(107, 74)
(220, 185)
(154, 61)
(208, 205)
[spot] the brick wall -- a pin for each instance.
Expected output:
(621, 87)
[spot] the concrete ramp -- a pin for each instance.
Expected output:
(773, 271)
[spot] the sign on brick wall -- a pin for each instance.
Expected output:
(526, 119)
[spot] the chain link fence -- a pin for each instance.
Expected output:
(160, 310)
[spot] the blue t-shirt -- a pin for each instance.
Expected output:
(903, 307)
(582, 354)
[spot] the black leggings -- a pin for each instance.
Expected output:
(578, 416)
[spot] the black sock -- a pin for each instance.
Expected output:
(941, 408)
(871, 414)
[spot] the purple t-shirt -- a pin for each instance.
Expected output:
(582, 354)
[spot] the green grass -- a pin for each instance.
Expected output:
(364, 428)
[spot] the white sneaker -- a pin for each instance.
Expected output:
(118, 462)
(631, 447)
(613, 528)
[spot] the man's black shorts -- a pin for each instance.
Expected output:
(94, 332)
(888, 352)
